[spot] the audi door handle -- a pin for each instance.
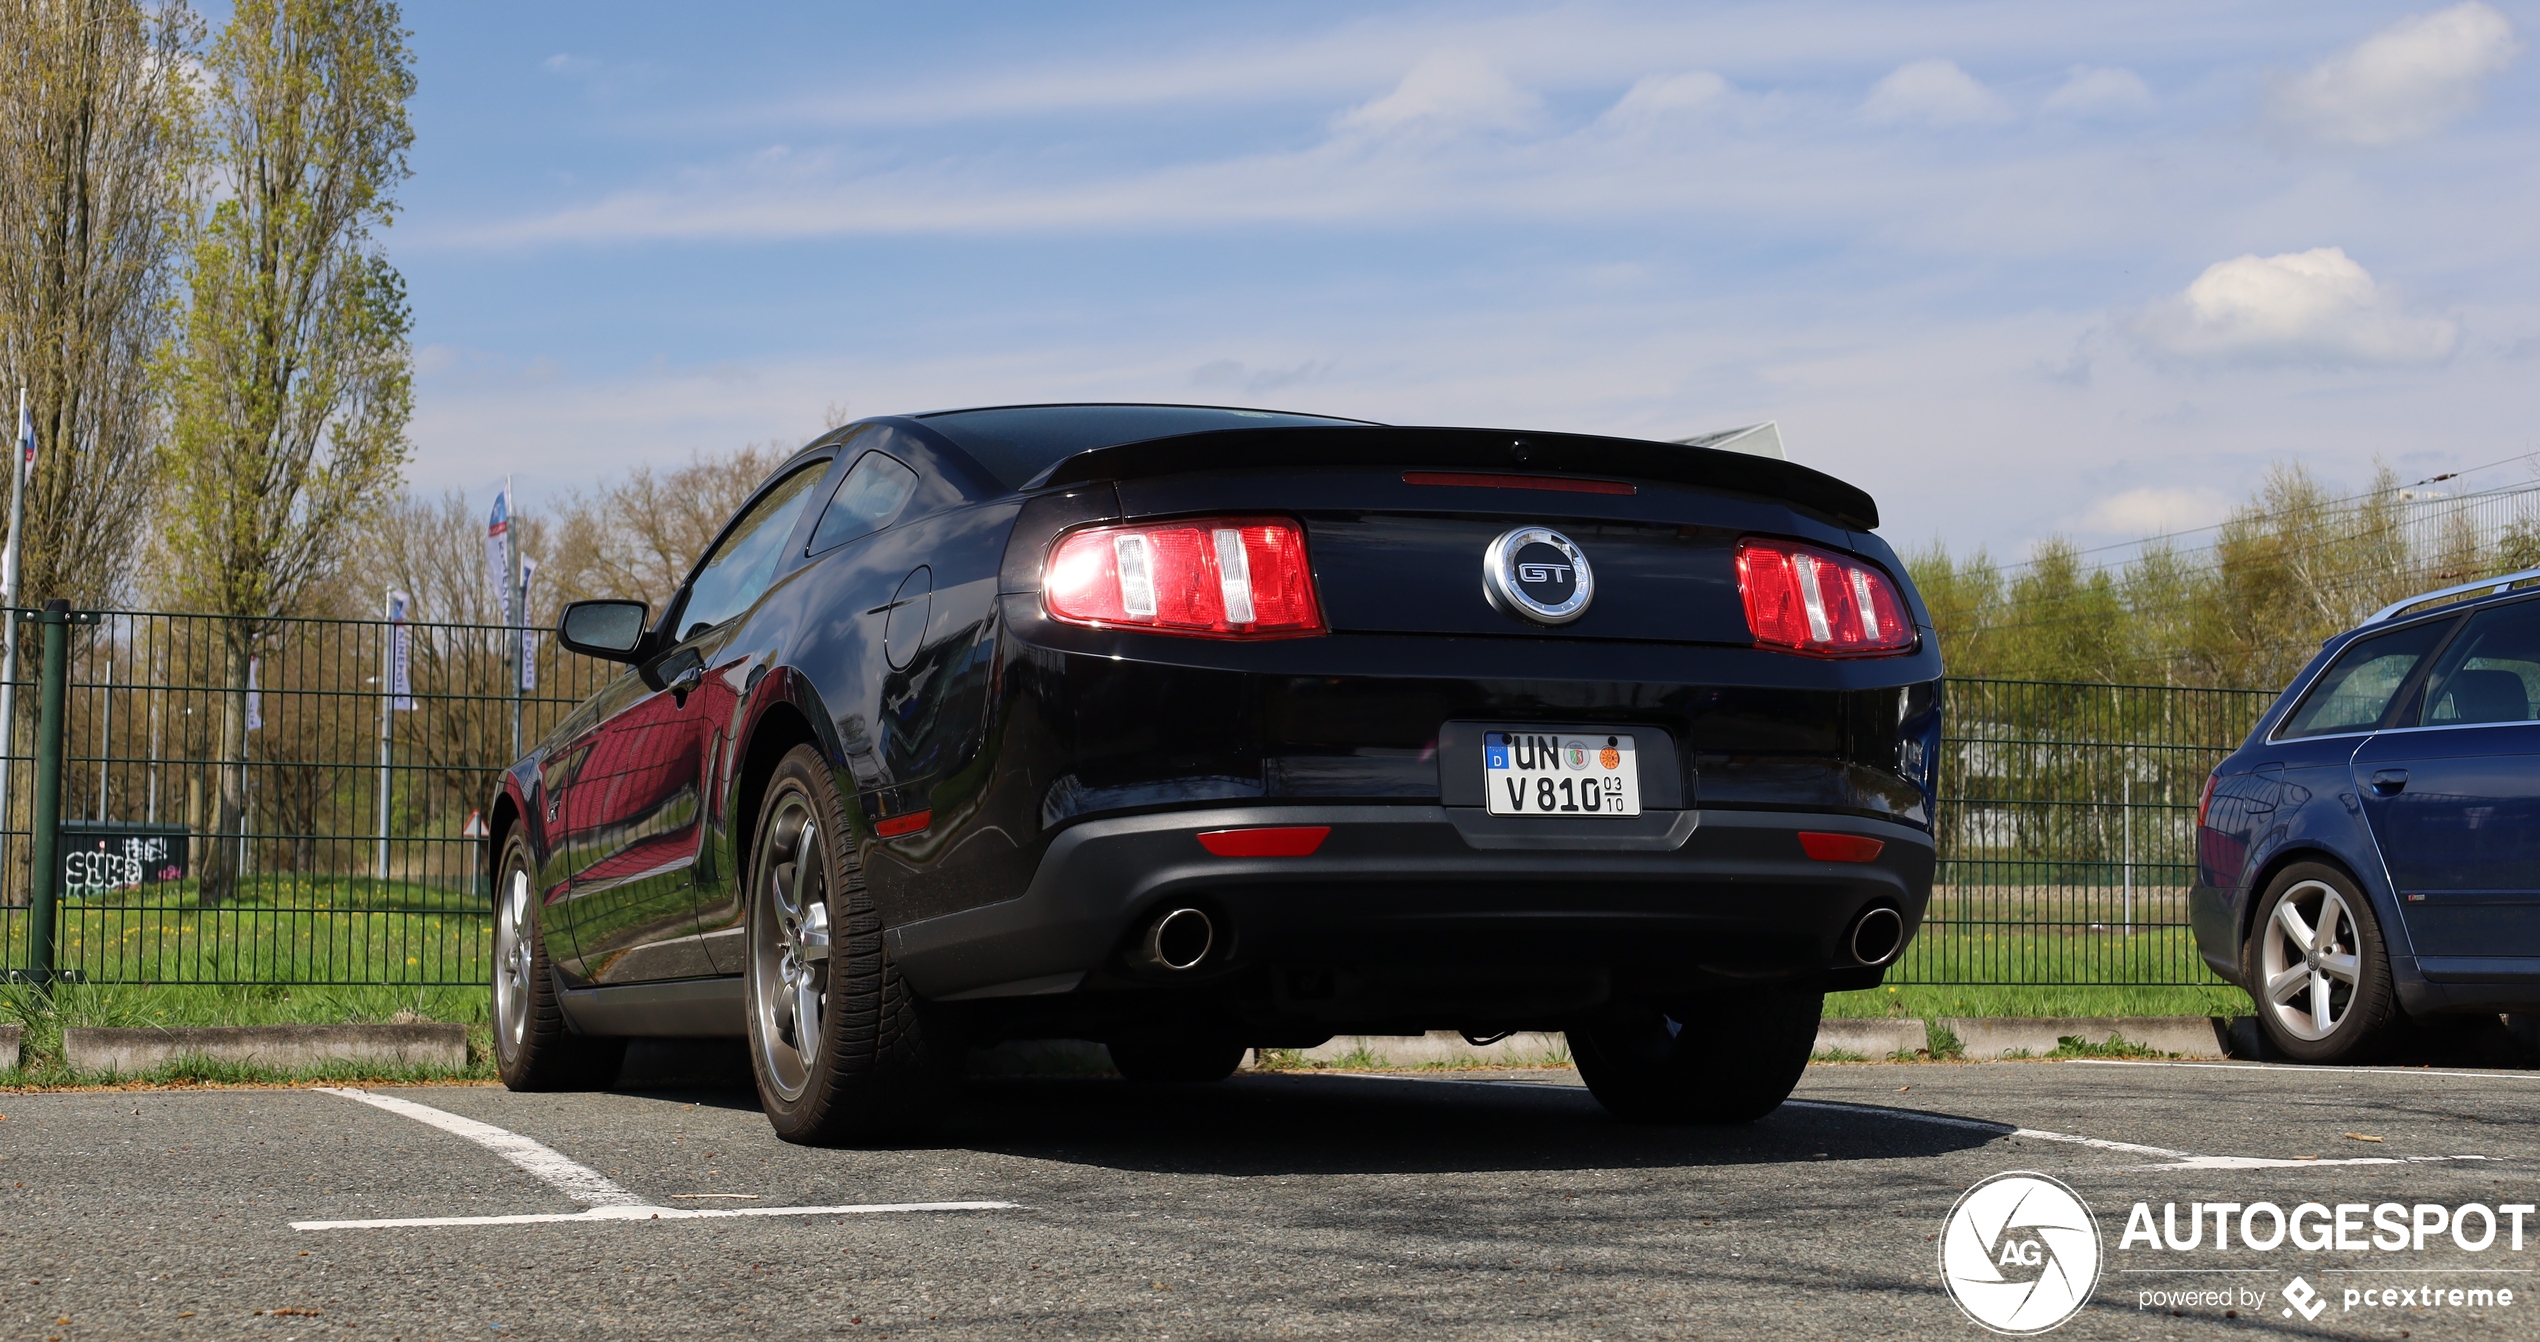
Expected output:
(685, 683)
(2388, 782)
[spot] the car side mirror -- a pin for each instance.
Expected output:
(612, 631)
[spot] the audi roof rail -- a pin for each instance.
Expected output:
(2484, 586)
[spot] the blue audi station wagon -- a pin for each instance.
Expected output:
(2371, 853)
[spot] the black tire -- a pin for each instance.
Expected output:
(1727, 1059)
(1163, 1059)
(2363, 1013)
(884, 1064)
(534, 1049)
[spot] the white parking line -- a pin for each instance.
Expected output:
(602, 1198)
(2303, 1068)
(640, 1212)
(542, 1162)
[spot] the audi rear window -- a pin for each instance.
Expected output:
(2356, 689)
(1019, 443)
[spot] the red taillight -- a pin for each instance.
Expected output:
(1269, 841)
(2205, 802)
(1213, 577)
(1803, 599)
(1825, 847)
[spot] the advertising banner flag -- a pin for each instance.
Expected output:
(528, 632)
(498, 553)
(401, 690)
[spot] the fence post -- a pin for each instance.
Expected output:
(45, 872)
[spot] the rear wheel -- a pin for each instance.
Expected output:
(1164, 1058)
(2317, 967)
(842, 1050)
(534, 1049)
(1713, 1060)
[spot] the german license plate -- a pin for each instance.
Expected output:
(1560, 773)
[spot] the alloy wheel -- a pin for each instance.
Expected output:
(2310, 960)
(512, 959)
(789, 944)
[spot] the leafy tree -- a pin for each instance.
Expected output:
(96, 121)
(2290, 567)
(290, 387)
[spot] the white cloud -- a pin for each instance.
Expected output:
(1447, 91)
(1660, 99)
(2101, 93)
(2317, 306)
(2154, 511)
(565, 63)
(1936, 93)
(2400, 83)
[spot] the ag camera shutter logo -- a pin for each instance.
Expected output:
(2020, 1253)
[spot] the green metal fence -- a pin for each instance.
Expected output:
(2066, 820)
(2067, 832)
(306, 877)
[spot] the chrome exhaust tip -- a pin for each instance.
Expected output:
(1878, 935)
(1179, 940)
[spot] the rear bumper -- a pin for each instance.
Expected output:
(1670, 899)
(2213, 916)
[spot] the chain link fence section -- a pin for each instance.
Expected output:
(345, 855)
(2067, 832)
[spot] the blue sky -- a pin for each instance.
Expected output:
(2018, 269)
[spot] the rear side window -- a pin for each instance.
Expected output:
(2357, 688)
(873, 492)
(2491, 673)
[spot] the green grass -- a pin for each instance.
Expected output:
(2004, 969)
(2115, 1046)
(1928, 1001)
(278, 929)
(75, 1005)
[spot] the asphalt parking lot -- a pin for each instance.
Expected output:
(1273, 1205)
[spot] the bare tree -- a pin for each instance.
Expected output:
(637, 537)
(292, 386)
(96, 116)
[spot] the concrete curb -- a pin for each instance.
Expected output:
(10, 1036)
(1872, 1039)
(281, 1047)
(2038, 1036)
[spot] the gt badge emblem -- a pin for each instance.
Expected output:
(1536, 574)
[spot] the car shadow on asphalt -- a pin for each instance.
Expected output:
(1336, 1123)
(1361, 1124)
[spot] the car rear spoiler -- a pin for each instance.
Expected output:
(1470, 449)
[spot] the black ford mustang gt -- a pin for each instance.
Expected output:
(1191, 730)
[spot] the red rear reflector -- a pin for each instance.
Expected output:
(904, 824)
(1210, 577)
(1803, 599)
(1840, 847)
(1281, 841)
(1558, 484)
